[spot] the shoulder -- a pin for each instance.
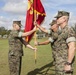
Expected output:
(49, 31)
(71, 30)
(68, 30)
(14, 33)
(71, 35)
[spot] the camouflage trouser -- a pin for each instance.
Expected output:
(59, 66)
(53, 56)
(59, 69)
(15, 65)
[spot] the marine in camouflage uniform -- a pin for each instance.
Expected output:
(16, 50)
(15, 53)
(61, 47)
(53, 35)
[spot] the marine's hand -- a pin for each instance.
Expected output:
(36, 43)
(67, 68)
(34, 28)
(35, 49)
(35, 23)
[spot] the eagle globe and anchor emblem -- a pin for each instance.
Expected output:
(30, 6)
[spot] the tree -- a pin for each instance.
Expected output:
(4, 31)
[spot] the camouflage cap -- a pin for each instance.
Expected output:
(53, 22)
(18, 23)
(62, 13)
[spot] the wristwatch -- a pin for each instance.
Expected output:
(38, 43)
(68, 63)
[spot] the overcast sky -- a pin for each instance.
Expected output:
(11, 10)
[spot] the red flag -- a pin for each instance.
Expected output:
(35, 8)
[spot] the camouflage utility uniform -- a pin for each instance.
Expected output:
(53, 33)
(15, 52)
(60, 46)
(53, 37)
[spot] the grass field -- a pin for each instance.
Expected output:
(44, 65)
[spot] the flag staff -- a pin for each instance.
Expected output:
(35, 38)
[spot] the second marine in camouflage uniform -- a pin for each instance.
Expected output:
(53, 35)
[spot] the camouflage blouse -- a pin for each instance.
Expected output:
(61, 44)
(15, 43)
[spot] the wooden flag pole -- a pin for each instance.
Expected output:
(35, 38)
(35, 47)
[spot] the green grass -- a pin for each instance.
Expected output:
(43, 65)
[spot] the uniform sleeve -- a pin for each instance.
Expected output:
(20, 34)
(49, 31)
(51, 39)
(23, 41)
(71, 36)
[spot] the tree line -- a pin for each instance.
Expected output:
(4, 31)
